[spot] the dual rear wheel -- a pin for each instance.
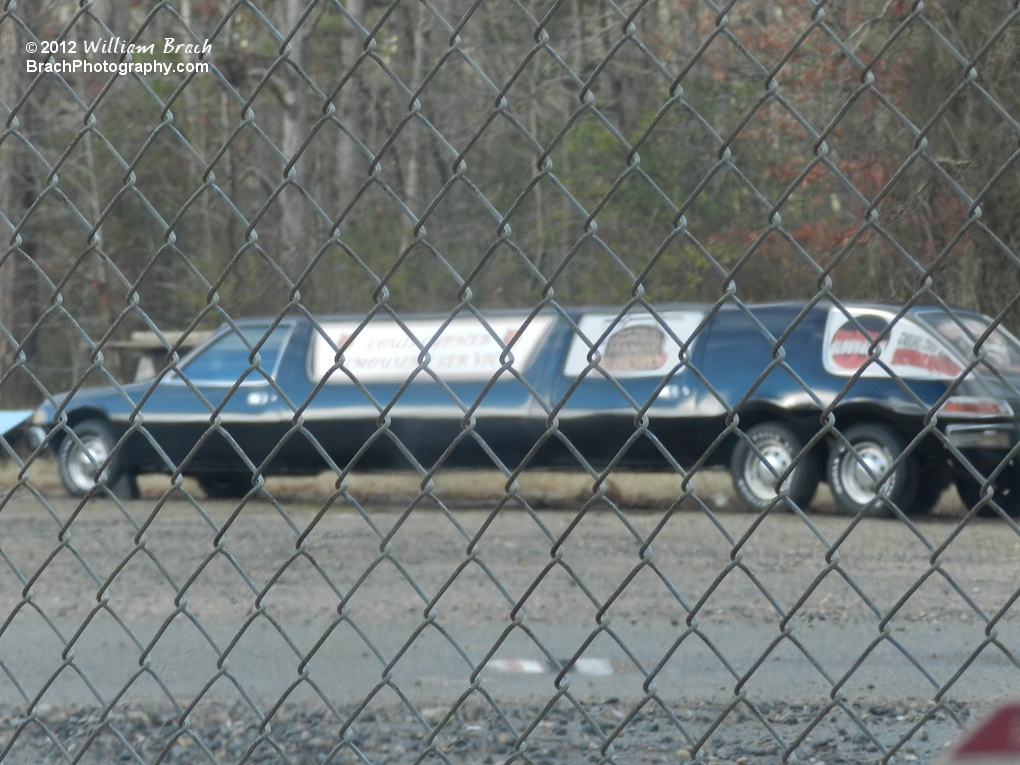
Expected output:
(1006, 494)
(862, 471)
(763, 458)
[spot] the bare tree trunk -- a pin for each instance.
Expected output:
(347, 105)
(539, 191)
(103, 315)
(10, 76)
(411, 181)
(690, 33)
(412, 176)
(18, 310)
(292, 251)
(115, 14)
(578, 18)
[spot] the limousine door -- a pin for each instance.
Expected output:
(639, 369)
(179, 413)
(423, 392)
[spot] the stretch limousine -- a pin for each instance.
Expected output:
(555, 389)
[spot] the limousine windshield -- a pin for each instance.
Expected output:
(225, 361)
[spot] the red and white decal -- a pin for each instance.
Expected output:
(917, 351)
(850, 348)
(907, 349)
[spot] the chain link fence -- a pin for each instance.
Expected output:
(168, 167)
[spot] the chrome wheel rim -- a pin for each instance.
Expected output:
(854, 477)
(82, 461)
(759, 478)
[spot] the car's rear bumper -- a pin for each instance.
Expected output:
(997, 436)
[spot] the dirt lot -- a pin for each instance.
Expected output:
(692, 547)
(174, 584)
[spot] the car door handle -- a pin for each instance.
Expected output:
(673, 393)
(260, 398)
(669, 393)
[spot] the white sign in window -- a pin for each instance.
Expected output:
(466, 350)
(910, 351)
(638, 346)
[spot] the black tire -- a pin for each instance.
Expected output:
(1007, 494)
(225, 485)
(80, 455)
(754, 481)
(853, 488)
(126, 486)
(931, 482)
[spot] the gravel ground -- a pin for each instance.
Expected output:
(475, 734)
(938, 618)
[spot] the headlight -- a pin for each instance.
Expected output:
(39, 417)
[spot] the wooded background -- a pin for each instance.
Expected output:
(342, 155)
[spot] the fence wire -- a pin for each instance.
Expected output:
(309, 158)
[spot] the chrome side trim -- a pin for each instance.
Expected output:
(371, 413)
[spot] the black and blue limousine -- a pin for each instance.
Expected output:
(874, 403)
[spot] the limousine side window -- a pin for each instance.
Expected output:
(1001, 349)
(906, 349)
(383, 351)
(223, 362)
(638, 346)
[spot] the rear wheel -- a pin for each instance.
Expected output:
(1007, 493)
(80, 456)
(225, 485)
(930, 485)
(755, 481)
(854, 473)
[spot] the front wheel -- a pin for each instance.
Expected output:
(80, 456)
(754, 480)
(854, 473)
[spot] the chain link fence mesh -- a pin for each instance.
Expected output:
(307, 158)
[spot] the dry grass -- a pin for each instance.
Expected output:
(540, 488)
(460, 487)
